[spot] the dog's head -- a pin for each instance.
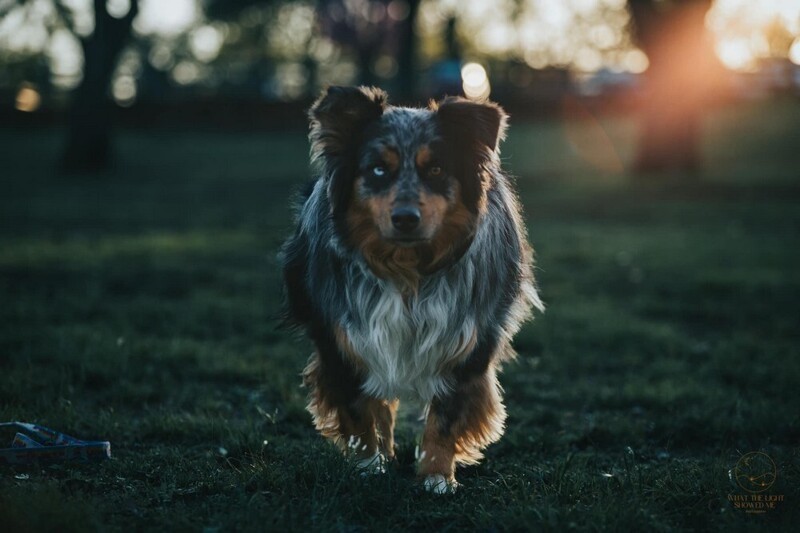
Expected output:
(405, 184)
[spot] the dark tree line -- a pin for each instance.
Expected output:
(88, 145)
(679, 81)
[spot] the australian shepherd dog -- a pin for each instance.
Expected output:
(410, 270)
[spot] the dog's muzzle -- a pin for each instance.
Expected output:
(405, 220)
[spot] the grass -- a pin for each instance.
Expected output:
(139, 307)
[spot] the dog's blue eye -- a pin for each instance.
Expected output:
(378, 171)
(435, 172)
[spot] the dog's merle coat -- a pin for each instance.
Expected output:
(426, 313)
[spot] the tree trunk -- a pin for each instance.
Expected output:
(678, 83)
(88, 143)
(407, 60)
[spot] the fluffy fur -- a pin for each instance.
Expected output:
(424, 310)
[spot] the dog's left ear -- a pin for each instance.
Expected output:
(473, 125)
(472, 132)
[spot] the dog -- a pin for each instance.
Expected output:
(410, 271)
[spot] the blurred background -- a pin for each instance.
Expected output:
(91, 65)
(149, 151)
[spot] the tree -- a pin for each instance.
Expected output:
(679, 82)
(88, 143)
(407, 60)
(375, 28)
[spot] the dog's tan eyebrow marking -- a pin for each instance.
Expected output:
(424, 156)
(391, 158)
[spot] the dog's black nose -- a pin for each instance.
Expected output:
(405, 218)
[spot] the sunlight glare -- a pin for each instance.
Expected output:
(794, 52)
(745, 30)
(735, 54)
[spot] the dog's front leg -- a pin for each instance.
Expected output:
(384, 412)
(459, 425)
(357, 423)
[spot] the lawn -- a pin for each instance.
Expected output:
(139, 307)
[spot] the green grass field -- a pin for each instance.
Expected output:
(139, 307)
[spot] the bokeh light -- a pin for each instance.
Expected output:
(205, 42)
(635, 61)
(794, 52)
(748, 31)
(28, 98)
(186, 73)
(736, 54)
(65, 55)
(166, 17)
(123, 89)
(82, 16)
(118, 8)
(475, 81)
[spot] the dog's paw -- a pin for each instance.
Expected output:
(438, 484)
(371, 465)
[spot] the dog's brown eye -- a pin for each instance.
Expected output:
(435, 172)
(378, 171)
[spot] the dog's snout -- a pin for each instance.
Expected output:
(405, 218)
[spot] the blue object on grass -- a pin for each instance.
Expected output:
(43, 445)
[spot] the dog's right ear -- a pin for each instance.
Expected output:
(338, 117)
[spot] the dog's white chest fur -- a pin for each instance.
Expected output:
(405, 344)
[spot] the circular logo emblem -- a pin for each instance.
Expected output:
(755, 472)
